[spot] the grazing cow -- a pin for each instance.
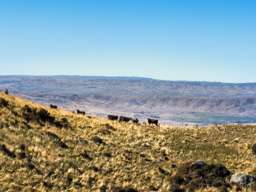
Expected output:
(135, 121)
(6, 91)
(80, 112)
(152, 121)
(113, 117)
(53, 106)
(124, 119)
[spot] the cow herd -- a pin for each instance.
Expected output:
(77, 111)
(80, 112)
(116, 117)
(129, 119)
(110, 117)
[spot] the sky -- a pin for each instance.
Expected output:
(193, 40)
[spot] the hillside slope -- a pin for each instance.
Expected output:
(169, 101)
(44, 149)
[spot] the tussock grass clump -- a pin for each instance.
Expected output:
(3, 102)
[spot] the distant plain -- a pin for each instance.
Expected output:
(172, 102)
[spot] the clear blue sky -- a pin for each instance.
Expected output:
(213, 40)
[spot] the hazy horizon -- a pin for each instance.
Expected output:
(122, 76)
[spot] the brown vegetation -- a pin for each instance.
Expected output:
(46, 149)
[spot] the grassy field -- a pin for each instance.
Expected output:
(45, 149)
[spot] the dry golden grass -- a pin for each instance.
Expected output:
(104, 154)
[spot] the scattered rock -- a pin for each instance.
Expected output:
(6, 151)
(103, 188)
(55, 138)
(107, 154)
(163, 171)
(143, 155)
(69, 180)
(153, 188)
(97, 140)
(22, 147)
(109, 127)
(87, 156)
(176, 188)
(125, 189)
(78, 184)
(199, 175)
(242, 180)
(94, 168)
(2, 125)
(52, 136)
(91, 182)
(48, 185)
(105, 131)
(81, 141)
(198, 164)
(31, 166)
(62, 123)
(63, 145)
(22, 155)
(254, 149)
(23, 152)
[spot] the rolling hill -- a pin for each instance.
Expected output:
(43, 149)
(169, 101)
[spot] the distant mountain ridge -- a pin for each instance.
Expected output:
(169, 101)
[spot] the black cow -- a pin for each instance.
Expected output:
(80, 112)
(53, 106)
(124, 119)
(152, 121)
(135, 121)
(6, 91)
(113, 117)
